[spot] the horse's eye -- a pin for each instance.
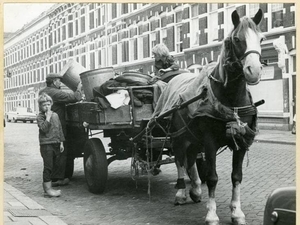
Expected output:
(236, 39)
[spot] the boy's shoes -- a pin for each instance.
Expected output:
(63, 182)
(49, 192)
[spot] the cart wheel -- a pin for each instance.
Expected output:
(95, 165)
(202, 169)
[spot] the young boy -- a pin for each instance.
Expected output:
(51, 141)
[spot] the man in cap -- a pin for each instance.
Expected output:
(60, 99)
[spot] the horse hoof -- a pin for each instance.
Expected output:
(180, 201)
(195, 198)
(212, 222)
(238, 221)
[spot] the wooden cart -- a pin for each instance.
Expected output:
(121, 125)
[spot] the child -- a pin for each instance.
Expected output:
(51, 141)
(164, 62)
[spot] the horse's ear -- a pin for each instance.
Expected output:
(258, 16)
(235, 18)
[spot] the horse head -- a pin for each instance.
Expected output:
(245, 42)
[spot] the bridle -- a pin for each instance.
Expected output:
(232, 63)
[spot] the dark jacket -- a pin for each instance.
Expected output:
(60, 99)
(169, 62)
(49, 132)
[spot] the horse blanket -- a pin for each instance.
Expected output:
(186, 86)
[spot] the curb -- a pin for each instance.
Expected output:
(20, 209)
(275, 142)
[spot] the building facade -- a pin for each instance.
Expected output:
(121, 35)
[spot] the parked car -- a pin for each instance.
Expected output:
(21, 114)
(281, 207)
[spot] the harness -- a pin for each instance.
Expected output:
(236, 128)
(232, 62)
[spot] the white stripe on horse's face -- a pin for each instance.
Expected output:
(252, 65)
(253, 40)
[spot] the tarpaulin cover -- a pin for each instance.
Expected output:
(188, 85)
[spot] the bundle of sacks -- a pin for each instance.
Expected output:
(113, 90)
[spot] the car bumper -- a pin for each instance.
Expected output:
(26, 118)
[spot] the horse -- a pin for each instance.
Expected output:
(229, 121)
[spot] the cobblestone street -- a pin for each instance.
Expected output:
(126, 201)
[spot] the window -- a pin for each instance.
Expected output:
(140, 47)
(42, 44)
(133, 49)
(82, 23)
(119, 53)
(103, 57)
(58, 35)
(64, 32)
(179, 38)
(92, 60)
(153, 39)
(277, 15)
(146, 46)
(113, 10)
(70, 29)
(164, 36)
(170, 39)
(124, 8)
(76, 27)
(125, 52)
(103, 15)
(92, 18)
(109, 55)
(194, 31)
(213, 26)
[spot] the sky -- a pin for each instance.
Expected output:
(16, 15)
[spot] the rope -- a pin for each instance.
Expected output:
(148, 163)
(236, 116)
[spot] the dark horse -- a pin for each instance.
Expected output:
(239, 65)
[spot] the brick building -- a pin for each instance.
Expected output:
(122, 35)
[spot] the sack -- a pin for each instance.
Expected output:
(243, 135)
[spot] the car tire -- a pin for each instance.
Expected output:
(24, 121)
(31, 121)
(95, 165)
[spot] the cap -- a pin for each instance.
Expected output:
(53, 75)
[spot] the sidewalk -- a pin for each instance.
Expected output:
(21, 210)
(276, 136)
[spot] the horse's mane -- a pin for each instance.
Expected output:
(244, 24)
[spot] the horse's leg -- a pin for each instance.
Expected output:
(212, 180)
(180, 197)
(237, 215)
(180, 146)
(195, 191)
